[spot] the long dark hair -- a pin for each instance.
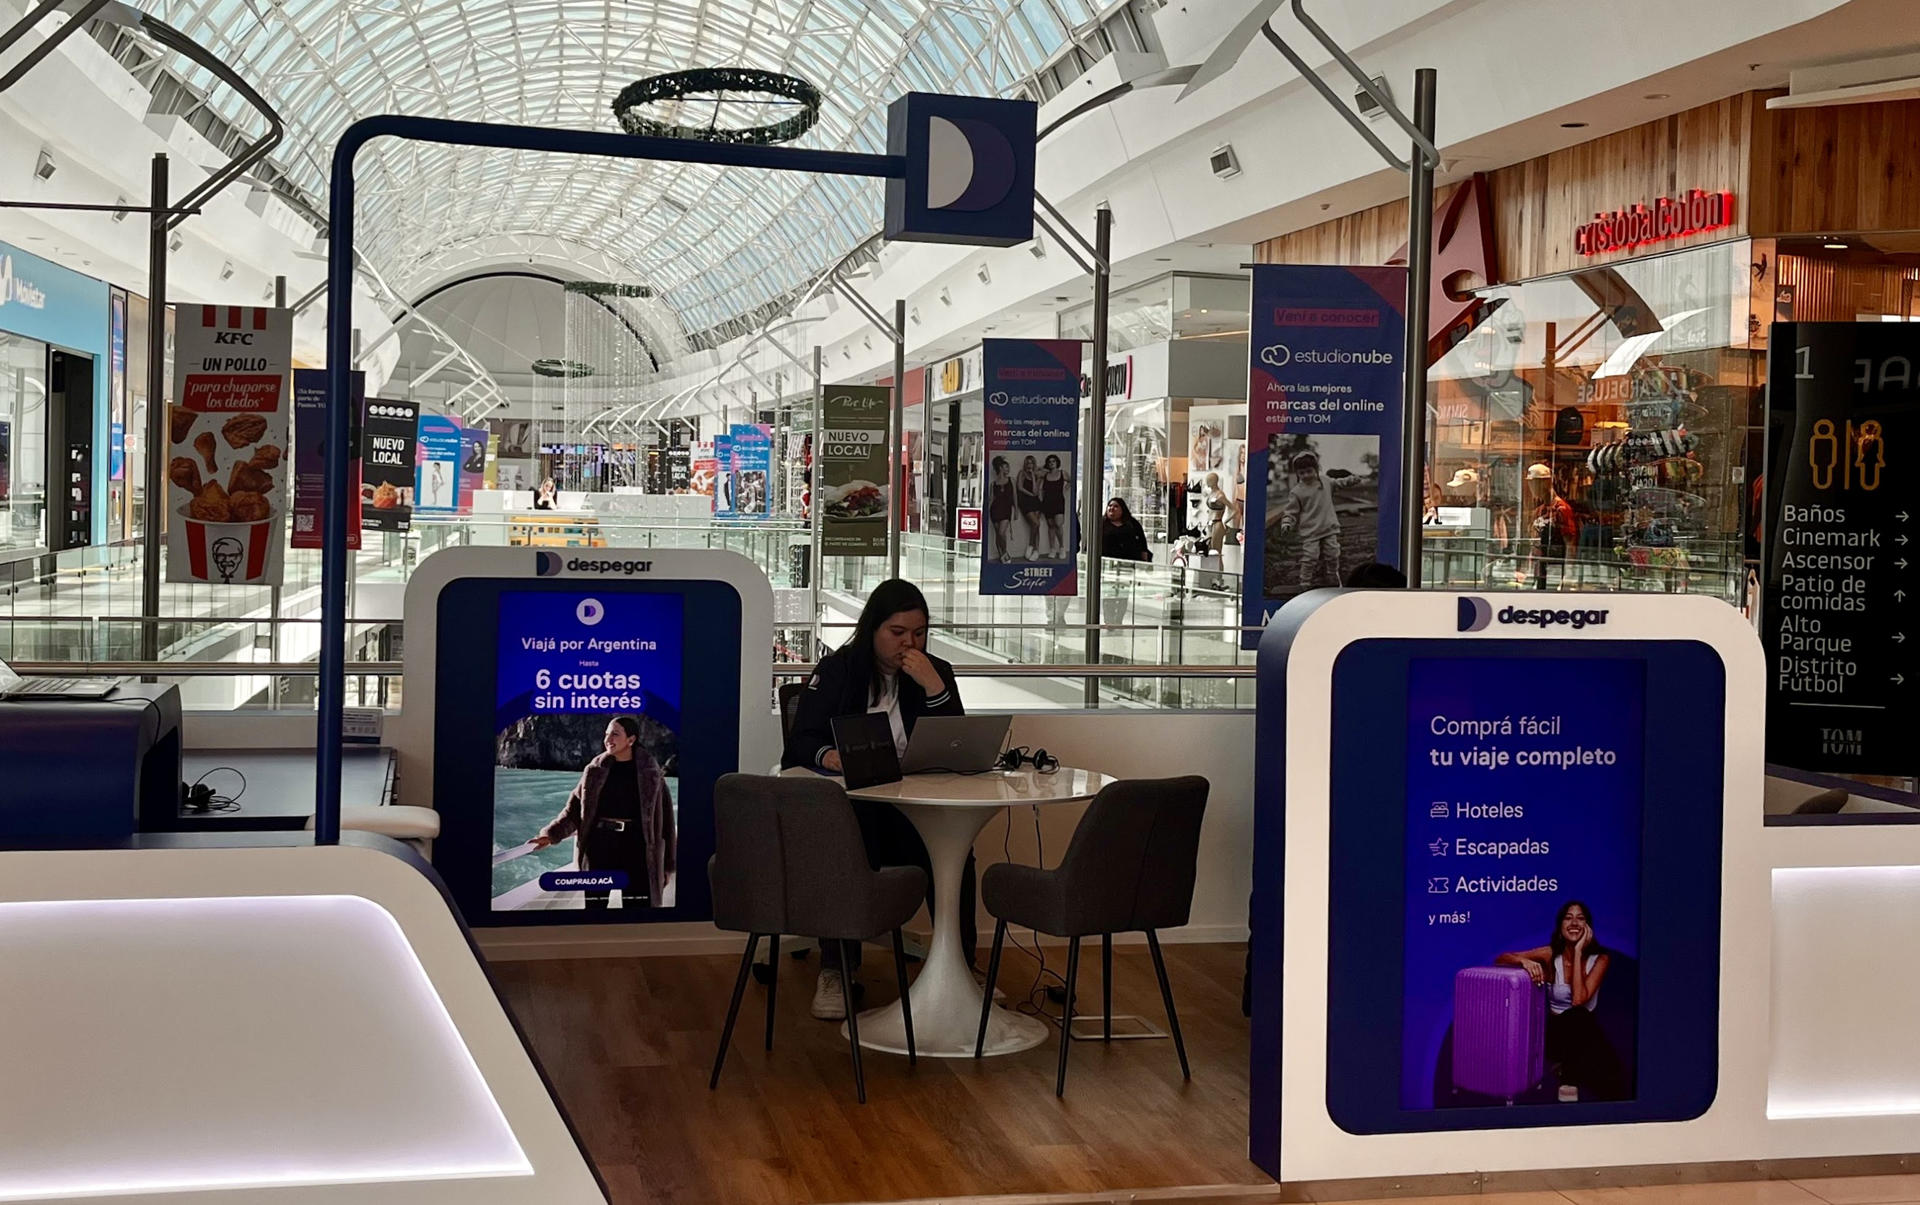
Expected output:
(888, 599)
(1126, 513)
(629, 724)
(1558, 942)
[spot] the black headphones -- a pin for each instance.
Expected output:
(1018, 756)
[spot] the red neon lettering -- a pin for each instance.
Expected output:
(1668, 218)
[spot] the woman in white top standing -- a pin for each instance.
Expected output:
(885, 668)
(1572, 966)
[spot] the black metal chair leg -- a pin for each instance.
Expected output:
(853, 1027)
(773, 981)
(1066, 1017)
(733, 1009)
(906, 1004)
(1106, 987)
(993, 973)
(1166, 995)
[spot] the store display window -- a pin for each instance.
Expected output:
(1591, 432)
(23, 447)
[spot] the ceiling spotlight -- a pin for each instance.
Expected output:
(226, 270)
(946, 298)
(846, 353)
(266, 294)
(986, 277)
(1038, 249)
(867, 342)
(119, 215)
(45, 168)
(176, 242)
(914, 315)
(1835, 246)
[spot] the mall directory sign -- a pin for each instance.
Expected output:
(571, 735)
(1323, 430)
(1500, 818)
(1840, 613)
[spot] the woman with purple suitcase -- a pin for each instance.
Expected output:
(1571, 966)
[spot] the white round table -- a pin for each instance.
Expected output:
(949, 810)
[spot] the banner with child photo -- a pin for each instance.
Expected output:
(1323, 430)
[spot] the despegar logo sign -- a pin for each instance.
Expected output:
(1476, 614)
(1280, 355)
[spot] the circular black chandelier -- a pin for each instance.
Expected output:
(604, 288)
(563, 369)
(716, 82)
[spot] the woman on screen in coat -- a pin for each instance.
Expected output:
(621, 818)
(883, 668)
(1572, 966)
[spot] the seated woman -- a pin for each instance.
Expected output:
(885, 668)
(1571, 966)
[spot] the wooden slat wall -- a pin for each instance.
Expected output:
(1831, 291)
(1837, 170)
(1538, 204)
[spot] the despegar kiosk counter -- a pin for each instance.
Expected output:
(1516, 908)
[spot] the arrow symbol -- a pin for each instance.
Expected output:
(1899, 637)
(1902, 562)
(1899, 596)
(1900, 540)
(1899, 680)
(1902, 516)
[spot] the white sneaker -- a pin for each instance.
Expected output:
(830, 997)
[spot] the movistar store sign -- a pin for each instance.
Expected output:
(44, 301)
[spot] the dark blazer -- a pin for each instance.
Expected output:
(835, 690)
(576, 819)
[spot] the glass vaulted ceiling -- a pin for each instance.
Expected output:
(713, 243)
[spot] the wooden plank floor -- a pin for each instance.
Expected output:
(629, 1043)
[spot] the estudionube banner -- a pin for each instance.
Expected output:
(1838, 615)
(310, 456)
(473, 465)
(387, 466)
(1524, 795)
(723, 483)
(1032, 392)
(436, 486)
(1323, 430)
(587, 734)
(752, 471)
(852, 470)
(227, 438)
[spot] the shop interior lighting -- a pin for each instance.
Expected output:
(45, 168)
(1836, 245)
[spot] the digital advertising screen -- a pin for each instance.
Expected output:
(1522, 894)
(586, 768)
(1523, 910)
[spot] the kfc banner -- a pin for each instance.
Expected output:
(227, 439)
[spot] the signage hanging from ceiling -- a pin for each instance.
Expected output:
(1665, 219)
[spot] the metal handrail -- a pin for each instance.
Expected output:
(393, 669)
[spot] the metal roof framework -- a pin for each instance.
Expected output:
(712, 245)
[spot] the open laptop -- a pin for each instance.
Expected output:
(865, 742)
(958, 744)
(13, 686)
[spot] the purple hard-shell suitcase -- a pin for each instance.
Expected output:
(1499, 1031)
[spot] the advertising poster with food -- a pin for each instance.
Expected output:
(1032, 394)
(310, 456)
(752, 471)
(852, 468)
(387, 464)
(227, 438)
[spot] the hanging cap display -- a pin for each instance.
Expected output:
(1463, 477)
